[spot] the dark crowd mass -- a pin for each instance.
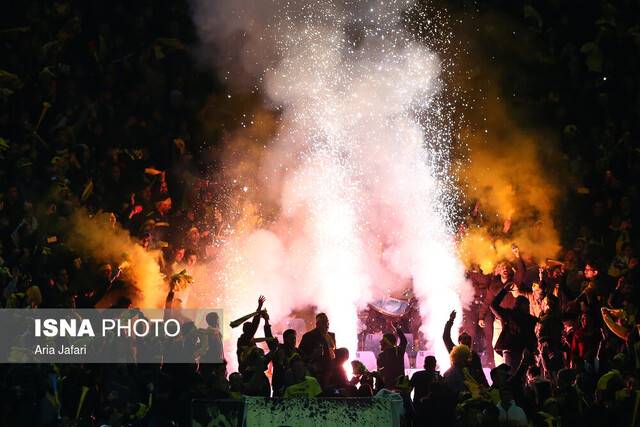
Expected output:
(99, 111)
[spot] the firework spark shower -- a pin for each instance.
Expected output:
(363, 203)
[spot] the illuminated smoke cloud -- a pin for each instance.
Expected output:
(362, 203)
(507, 175)
(110, 243)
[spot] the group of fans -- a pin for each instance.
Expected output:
(100, 108)
(569, 342)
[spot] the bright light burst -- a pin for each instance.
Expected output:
(360, 162)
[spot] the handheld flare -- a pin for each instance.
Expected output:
(240, 320)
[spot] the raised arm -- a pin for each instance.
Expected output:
(272, 343)
(255, 322)
(446, 334)
(563, 289)
(403, 338)
(500, 312)
(169, 300)
(483, 280)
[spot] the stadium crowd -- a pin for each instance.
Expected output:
(99, 107)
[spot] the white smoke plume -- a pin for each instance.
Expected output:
(362, 204)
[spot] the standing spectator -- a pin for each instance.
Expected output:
(57, 292)
(585, 340)
(283, 356)
(475, 365)
(593, 290)
(457, 376)
(211, 338)
(491, 286)
(421, 381)
(245, 342)
(518, 328)
(317, 348)
(391, 358)
(549, 333)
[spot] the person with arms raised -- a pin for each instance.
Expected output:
(518, 328)
(475, 365)
(391, 358)
(245, 342)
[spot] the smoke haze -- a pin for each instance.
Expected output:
(360, 206)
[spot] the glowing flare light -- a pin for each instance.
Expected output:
(358, 167)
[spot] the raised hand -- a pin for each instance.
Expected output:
(261, 301)
(452, 316)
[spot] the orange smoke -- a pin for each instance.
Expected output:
(108, 243)
(507, 177)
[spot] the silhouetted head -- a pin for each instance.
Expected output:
(460, 355)
(235, 381)
(430, 363)
(289, 337)
(342, 354)
(500, 374)
(465, 338)
(322, 322)
(213, 320)
(388, 340)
